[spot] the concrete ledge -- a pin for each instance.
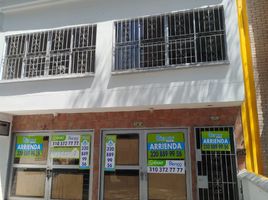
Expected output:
(253, 186)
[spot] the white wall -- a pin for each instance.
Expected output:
(220, 85)
(4, 153)
(253, 186)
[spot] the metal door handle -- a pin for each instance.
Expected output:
(142, 175)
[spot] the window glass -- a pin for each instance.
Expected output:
(127, 149)
(152, 29)
(65, 161)
(31, 150)
(71, 149)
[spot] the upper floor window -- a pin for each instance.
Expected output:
(48, 53)
(179, 38)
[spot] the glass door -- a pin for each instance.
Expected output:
(52, 166)
(70, 170)
(145, 164)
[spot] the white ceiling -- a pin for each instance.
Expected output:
(6, 5)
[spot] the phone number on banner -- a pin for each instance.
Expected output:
(166, 170)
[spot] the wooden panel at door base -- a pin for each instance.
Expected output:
(67, 186)
(122, 186)
(30, 184)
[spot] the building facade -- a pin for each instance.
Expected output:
(120, 100)
(258, 37)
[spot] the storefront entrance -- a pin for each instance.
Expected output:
(145, 164)
(54, 165)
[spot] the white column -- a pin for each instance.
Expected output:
(5, 142)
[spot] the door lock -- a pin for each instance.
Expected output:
(49, 173)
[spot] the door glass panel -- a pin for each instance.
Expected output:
(121, 185)
(70, 184)
(28, 183)
(63, 161)
(167, 187)
(31, 150)
(65, 149)
(127, 149)
(166, 166)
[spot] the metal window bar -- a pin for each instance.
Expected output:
(153, 55)
(34, 66)
(59, 63)
(61, 40)
(15, 51)
(15, 45)
(152, 29)
(83, 61)
(48, 53)
(84, 37)
(13, 68)
(127, 45)
(37, 43)
(181, 37)
(194, 36)
(83, 51)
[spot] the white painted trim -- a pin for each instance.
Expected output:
(55, 77)
(171, 67)
(29, 4)
(6, 117)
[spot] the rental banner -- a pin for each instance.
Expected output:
(166, 153)
(110, 149)
(29, 147)
(216, 141)
(65, 146)
(85, 151)
(166, 166)
(165, 146)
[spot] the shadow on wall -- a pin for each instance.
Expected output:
(184, 76)
(1, 190)
(164, 86)
(30, 87)
(157, 95)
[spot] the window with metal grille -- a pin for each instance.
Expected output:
(179, 38)
(49, 53)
